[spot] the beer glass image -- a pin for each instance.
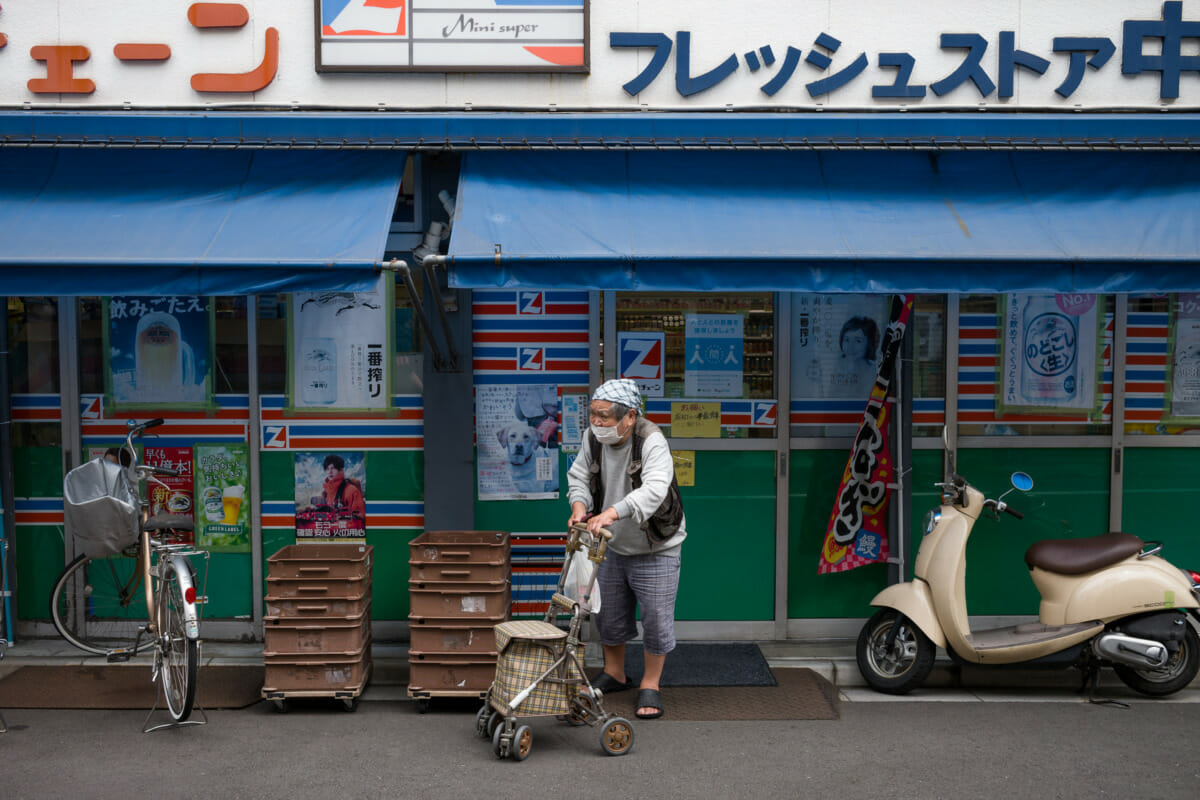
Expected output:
(231, 500)
(164, 366)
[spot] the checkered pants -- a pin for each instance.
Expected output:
(628, 582)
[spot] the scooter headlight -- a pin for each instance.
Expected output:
(932, 518)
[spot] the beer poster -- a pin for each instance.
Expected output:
(1049, 354)
(339, 350)
(159, 352)
(171, 494)
(331, 496)
(222, 483)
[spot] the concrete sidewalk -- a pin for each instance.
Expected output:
(833, 659)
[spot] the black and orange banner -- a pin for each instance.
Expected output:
(857, 529)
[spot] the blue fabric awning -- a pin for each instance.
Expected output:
(829, 221)
(207, 222)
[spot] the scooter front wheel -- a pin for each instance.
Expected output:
(904, 665)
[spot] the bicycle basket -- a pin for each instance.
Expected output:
(100, 508)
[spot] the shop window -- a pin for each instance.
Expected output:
(272, 343)
(836, 347)
(33, 366)
(408, 344)
(699, 359)
(1162, 365)
(232, 361)
(1034, 365)
(928, 330)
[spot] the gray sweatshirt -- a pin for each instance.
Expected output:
(633, 507)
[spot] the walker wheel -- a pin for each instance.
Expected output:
(617, 737)
(500, 748)
(481, 722)
(583, 709)
(522, 743)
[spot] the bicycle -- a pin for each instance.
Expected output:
(94, 600)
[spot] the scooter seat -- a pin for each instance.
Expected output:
(1077, 556)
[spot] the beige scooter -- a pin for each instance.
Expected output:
(1109, 600)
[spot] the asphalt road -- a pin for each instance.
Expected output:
(911, 749)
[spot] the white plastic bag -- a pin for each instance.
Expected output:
(579, 582)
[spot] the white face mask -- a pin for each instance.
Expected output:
(607, 435)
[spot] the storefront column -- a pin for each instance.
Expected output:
(783, 442)
(254, 440)
(68, 387)
(1116, 489)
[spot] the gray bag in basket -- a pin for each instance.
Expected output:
(100, 508)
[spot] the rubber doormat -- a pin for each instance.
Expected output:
(122, 686)
(706, 664)
(798, 694)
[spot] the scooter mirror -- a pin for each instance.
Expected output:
(1022, 481)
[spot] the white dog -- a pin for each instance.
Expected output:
(523, 447)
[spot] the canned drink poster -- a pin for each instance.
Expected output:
(1049, 354)
(171, 494)
(221, 497)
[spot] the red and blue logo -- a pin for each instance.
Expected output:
(531, 359)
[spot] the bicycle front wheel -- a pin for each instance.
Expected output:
(180, 655)
(95, 604)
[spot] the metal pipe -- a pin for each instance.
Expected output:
(402, 269)
(428, 263)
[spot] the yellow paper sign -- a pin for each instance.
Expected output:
(695, 420)
(685, 467)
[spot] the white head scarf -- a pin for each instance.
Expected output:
(620, 390)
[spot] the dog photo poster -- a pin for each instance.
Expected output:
(516, 440)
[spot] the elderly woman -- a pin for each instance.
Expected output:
(644, 512)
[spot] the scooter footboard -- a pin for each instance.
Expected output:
(914, 601)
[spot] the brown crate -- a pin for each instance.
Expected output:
(321, 560)
(452, 636)
(301, 673)
(452, 672)
(463, 572)
(316, 634)
(460, 547)
(316, 587)
(458, 600)
(351, 605)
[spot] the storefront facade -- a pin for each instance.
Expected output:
(714, 212)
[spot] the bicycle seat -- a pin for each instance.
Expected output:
(163, 521)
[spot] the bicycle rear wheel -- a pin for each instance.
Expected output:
(180, 655)
(95, 604)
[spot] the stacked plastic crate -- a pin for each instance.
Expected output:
(317, 629)
(459, 590)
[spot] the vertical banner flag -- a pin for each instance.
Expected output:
(857, 530)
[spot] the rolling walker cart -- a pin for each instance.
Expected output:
(540, 670)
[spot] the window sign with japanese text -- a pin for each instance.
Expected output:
(339, 349)
(159, 352)
(1183, 376)
(712, 348)
(1049, 348)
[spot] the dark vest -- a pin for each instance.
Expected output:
(663, 523)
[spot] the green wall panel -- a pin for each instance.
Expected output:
(37, 472)
(1160, 495)
(1069, 500)
(728, 559)
(39, 561)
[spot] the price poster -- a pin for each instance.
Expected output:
(222, 480)
(171, 494)
(516, 441)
